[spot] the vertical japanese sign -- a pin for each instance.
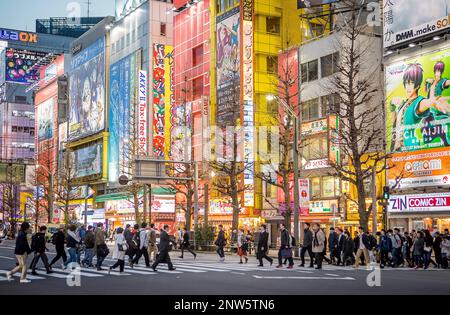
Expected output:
(162, 96)
(169, 96)
(247, 69)
(143, 146)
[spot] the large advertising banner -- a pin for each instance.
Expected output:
(418, 108)
(181, 132)
(163, 203)
(406, 20)
(88, 160)
(228, 65)
(20, 66)
(420, 169)
(419, 203)
(45, 119)
(162, 95)
(87, 91)
(123, 83)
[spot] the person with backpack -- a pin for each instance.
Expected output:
(141, 239)
(100, 249)
(242, 246)
(120, 248)
(59, 239)
(185, 245)
(22, 250)
(307, 246)
(73, 242)
(396, 247)
(318, 245)
(385, 247)
(38, 246)
(220, 243)
(285, 250)
(89, 244)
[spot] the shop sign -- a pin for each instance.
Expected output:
(313, 164)
(322, 206)
(313, 127)
(142, 121)
(419, 203)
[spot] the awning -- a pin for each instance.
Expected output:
(126, 195)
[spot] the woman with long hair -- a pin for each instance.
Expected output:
(242, 246)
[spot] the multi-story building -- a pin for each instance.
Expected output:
(65, 26)
(417, 114)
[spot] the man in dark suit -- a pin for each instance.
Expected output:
(220, 243)
(164, 247)
(339, 245)
(263, 246)
(285, 250)
(332, 240)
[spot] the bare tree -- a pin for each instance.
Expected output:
(65, 184)
(229, 164)
(357, 81)
(10, 205)
(44, 176)
(279, 167)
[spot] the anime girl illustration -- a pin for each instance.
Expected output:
(413, 111)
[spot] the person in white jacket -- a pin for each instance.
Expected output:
(445, 251)
(120, 248)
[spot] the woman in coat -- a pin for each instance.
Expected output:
(318, 245)
(418, 249)
(242, 246)
(120, 248)
(21, 251)
(428, 248)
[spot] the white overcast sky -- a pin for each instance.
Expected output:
(21, 14)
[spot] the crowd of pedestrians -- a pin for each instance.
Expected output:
(388, 248)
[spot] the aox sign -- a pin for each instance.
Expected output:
(18, 36)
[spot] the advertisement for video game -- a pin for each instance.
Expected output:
(88, 160)
(20, 66)
(87, 91)
(418, 107)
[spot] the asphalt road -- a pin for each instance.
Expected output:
(207, 276)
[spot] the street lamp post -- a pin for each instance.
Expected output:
(296, 119)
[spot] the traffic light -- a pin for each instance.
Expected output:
(386, 192)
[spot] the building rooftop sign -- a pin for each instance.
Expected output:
(18, 36)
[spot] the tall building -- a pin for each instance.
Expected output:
(417, 72)
(64, 26)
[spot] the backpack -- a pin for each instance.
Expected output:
(136, 241)
(372, 241)
(54, 238)
(34, 242)
(292, 240)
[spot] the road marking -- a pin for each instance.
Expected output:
(17, 274)
(3, 278)
(104, 272)
(201, 268)
(304, 271)
(331, 274)
(304, 278)
(149, 270)
(4, 257)
(237, 273)
(54, 274)
(83, 274)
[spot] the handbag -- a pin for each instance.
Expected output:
(122, 247)
(286, 253)
(427, 249)
(103, 251)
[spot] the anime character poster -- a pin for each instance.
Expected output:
(20, 65)
(45, 119)
(87, 91)
(181, 132)
(88, 160)
(121, 107)
(418, 107)
(228, 65)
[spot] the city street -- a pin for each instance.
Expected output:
(207, 276)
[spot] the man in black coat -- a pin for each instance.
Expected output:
(307, 246)
(185, 245)
(39, 248)
(332, 240)
(339, 245)
(285, 248)
(164, 248)
(220, 243)
(58, 239)
(263, 246)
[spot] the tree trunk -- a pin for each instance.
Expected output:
(188, 211)
(362, 211)
(136, 208)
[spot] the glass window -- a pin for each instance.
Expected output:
(273, 25)
(328, 64)
(272, 64)
(310, 71)
(197, 55)
(329, 104)
(317, 29)
(328, 187)
(197, 87)
(162, 28)
(14, 128)
(316, 148)
(315, 187)
(310, 109)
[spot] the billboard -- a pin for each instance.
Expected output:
(19, 66)
(403, 22)
(123, 7)
(162, 97)
(45, 119)
(87, 91)
(417, 102)
(163, 203)
(228, 65)
(142, 113)
(181, 132)
(88, 160)
(419, 203)
(122, 97)
(420, 169)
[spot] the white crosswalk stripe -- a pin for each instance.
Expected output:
(53, 275)
(83, 274)
(31, 277)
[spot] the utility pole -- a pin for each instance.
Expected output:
(88, 7)
(150, 202)
(374, 199)
(144, 200)
(195, 195)
(205, 220)
(296, 183)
